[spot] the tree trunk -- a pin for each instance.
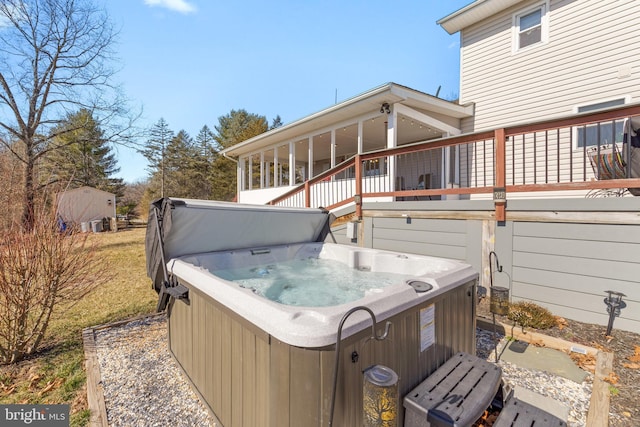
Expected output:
(29, 190)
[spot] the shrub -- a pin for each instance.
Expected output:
(528, 314)
(40, 268)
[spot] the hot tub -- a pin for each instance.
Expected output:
(263, 354)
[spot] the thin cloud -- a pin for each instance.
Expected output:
(181, 6)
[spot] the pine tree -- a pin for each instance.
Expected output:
(178, 165)
(235, 127)
(80, 155)
(207, 152)
(154, 151)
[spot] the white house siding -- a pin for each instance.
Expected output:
(591, 43)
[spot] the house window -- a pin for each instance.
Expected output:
(602, 133)
(530, 27)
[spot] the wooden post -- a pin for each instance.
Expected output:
(307, 194)
(500, 156)
(358, 194)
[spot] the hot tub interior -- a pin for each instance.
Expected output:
(315, 274)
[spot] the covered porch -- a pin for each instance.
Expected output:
(389, 116)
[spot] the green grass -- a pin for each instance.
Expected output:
(56, 373)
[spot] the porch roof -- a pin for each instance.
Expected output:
(352, 108)
(472, 13)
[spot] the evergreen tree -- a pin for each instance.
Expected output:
(235, 127)
(178, 165)
(80, 155)
(155, 151)
(276, 122)
(207, 153)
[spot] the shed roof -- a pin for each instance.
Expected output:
(85, 188)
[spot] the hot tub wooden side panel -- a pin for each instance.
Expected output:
(248, 378)
(226, 360)
(454, 323)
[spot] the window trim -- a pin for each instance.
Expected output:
(544, 24)
(576, 110)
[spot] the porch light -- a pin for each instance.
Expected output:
(384, 108)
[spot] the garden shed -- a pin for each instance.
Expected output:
(86, 204)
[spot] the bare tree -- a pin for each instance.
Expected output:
(39, 270)
(55, 58)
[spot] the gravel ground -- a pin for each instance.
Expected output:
(625, 346)
(143, 386)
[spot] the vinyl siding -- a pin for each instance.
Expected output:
(565, 256)
(569, 267)
(441, 238)
(589, 42)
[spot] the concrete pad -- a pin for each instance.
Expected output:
(545, 403)
(542, 359)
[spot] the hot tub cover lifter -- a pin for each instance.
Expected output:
(178, 227)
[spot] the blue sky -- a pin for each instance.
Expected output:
(192, 61)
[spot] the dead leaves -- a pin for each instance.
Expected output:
(51, 385)
(586, 362)
(561, 322)
(487, 419)
(634, 359)
(7, 390)
(612, 378)
(33, 386)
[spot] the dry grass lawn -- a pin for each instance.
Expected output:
(56, 374)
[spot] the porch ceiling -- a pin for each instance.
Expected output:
(344, 117)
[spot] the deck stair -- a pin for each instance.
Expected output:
(458, 393)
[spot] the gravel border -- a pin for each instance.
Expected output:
(163, 395)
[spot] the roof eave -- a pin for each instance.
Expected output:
(390, 92)
(473, 13)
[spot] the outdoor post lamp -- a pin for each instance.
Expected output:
(499, 298)
(614, 305)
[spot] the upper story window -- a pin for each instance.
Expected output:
(530, 27)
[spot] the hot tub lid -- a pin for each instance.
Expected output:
(187, 226)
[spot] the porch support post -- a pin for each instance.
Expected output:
(360, 138)
(310, 173)
(358, 194)
(392, 142)
(250, 172)
(276, 166)
(333, 148)
(499, 193)
(262, 180)
(240, 176)
(292, 163)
